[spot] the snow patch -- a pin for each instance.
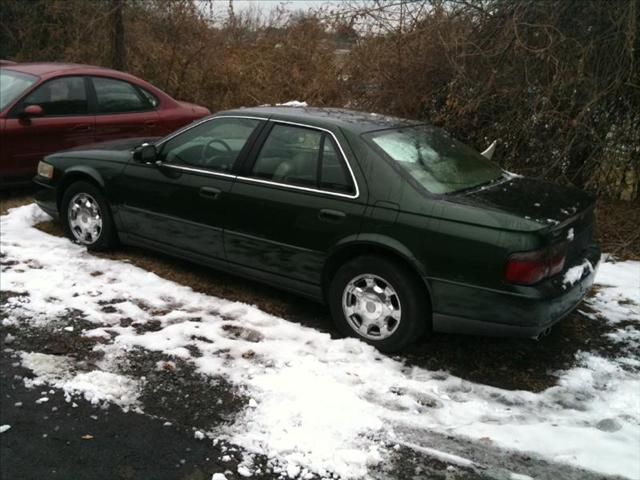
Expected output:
(575, 274)
(95, 386)
(570, 234)
(292, 103)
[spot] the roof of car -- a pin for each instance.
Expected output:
(354, 120)
(51, 69)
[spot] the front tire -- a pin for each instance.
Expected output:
(87, 217)
(379, 301)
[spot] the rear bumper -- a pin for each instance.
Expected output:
(46, 198)
(526, 313)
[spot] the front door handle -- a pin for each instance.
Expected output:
(333, 216)
(210, 192)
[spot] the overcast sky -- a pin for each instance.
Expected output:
(268, 5)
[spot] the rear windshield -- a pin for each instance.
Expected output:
(12, 85)
(434, 159)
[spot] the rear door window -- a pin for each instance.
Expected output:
(290, 155)
(60, 96)
(150, 97)
(304, 157)
(118, 96)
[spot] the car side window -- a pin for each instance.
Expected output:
(60, 96)
(213, 145)
(301, 156)
(150, 97)
(118, 96)
(333, 171)
(290, 155)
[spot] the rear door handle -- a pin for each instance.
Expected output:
(334, 216)
(210, 192)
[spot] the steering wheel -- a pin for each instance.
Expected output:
(206, 159)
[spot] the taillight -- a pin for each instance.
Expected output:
(557, 257)
(527, 268)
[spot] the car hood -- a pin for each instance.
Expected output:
(531, 200)
(114, 150)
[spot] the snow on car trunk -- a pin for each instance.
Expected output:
(316, 404)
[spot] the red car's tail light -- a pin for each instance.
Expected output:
(527, 268)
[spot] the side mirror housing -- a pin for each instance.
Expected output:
(145, 153)
(32, 111)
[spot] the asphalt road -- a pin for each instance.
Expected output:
(50, 440)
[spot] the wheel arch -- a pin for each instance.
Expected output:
(373, 245)
(75, 174)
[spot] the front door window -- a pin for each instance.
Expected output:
(213, 145)
(59, 97)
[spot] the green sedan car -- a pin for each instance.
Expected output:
(397, 226)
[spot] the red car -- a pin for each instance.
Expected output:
(47, 107)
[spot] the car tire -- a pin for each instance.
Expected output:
(86, 216)
(379, 301)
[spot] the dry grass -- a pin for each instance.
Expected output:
(14, 198)
(618, 228)
(551, 81)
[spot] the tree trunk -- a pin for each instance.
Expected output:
(119, 59)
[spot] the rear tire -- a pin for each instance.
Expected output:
(86, 216)
(379, 301)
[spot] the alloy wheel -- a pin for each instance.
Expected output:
(372, 307)
(85, 218)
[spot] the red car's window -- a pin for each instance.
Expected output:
(150, 97)
(12, 85)
(118, 96)
(60, 96)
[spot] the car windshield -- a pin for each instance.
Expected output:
(12, 84)
(435, 159)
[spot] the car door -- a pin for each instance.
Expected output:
(182, 201)
(293, 204)
(66, 122)
(122, 110)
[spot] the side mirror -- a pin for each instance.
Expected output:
(32, 111)
(145, 153)
(488, 153)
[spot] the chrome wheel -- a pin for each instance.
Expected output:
(372, 307)
(85, 218)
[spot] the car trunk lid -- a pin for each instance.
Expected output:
(565, 213)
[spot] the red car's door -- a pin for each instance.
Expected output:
(122, 110)
(66, 122)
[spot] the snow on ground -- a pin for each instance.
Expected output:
(97, 387)
(619, 296)
(332, 407)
